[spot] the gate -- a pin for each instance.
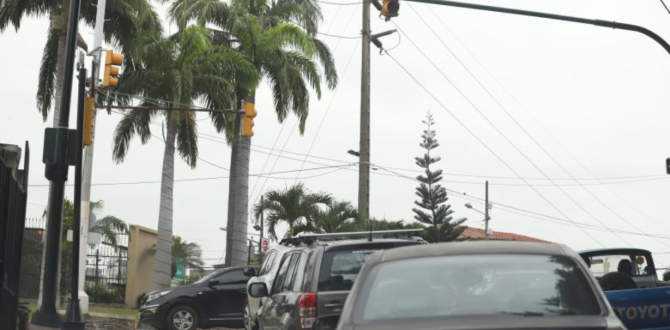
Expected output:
(107, 271)
(13, 198)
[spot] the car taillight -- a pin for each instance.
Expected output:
(307, 310)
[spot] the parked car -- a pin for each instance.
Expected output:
(315, 276)
(216, 300)
(266, 274)
(630, 281)
(477, 285)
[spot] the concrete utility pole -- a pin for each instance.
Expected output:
(364, 161)
(88, 158)
(486, 212)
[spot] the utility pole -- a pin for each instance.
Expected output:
(364, 164)
(486, 212)
(87, 171)
(57, 167)
(260, 244)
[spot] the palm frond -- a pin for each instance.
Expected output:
(109, 228)
(133, 122)
(13, 11)
(187, 137)
(47, 78)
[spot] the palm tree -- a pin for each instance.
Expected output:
(295, 206)
(339, 217)
(279, 38)
(180, 70)
(189, 254)
(124, 18)
(109, 227)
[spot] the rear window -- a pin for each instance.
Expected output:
(523, 285)
(339, 269)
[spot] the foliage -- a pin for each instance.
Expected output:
(340, 216)
(293, 206)
(108, 227)
(124, 18)
(99, 293)
(187, 253)
(181, 69)
(434, 210)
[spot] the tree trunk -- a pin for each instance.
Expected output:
(58, 95)
(163, 259)
(238, 199)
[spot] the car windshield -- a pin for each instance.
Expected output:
(523, 285)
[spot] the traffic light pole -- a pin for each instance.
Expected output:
(73, 317)
(57, 173)
(596, 22)
(87, 171)
(364, 160)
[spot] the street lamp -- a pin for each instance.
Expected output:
(358, 154)
(486, 218)
(251, 244)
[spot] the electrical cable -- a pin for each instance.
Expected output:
(339, 4)
(666, 7)
(544, 150)
(599, 180)
(484, 144)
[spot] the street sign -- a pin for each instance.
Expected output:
(179, 275)
(265, 245)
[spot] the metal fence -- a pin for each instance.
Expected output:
(106, 271)
(106, 266)
(13, 199)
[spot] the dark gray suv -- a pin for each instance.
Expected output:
(315, 276)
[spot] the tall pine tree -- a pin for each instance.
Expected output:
(434, 211)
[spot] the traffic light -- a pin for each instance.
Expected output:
(112, 61)
(390, 8)
(248, 119)
(88, 121)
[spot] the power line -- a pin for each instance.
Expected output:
(497, 129)
(533, 214)
(600, 201)
(340, 37)
(598, 180)
(666, 7)
(483, 143)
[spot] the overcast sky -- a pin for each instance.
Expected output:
(587, 95)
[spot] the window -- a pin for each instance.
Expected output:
(290, 277)
(447, 286)
(281, 275)
(339, 269)
(267, 263)
(235, 276)
(633, 265)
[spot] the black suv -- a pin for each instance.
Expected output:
(315, 276)
(216, 300)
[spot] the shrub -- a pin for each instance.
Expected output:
(100, 294)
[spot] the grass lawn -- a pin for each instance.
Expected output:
(118, 312)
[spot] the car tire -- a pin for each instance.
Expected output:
(182, 317)
(249, 324)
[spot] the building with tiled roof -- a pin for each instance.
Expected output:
(478, 234)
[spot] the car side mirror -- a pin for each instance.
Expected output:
(213, 283)
(258, 290)
(249, 271)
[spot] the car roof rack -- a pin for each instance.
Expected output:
(311, 238)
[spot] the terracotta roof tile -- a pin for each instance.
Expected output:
(476, 233)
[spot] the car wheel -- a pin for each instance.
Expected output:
(182, 317)
(249, 324)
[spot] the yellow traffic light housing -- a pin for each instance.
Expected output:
(89, 110)
(112, 61)
(390, 8)
(248, 119)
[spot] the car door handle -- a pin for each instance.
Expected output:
(333, 305)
